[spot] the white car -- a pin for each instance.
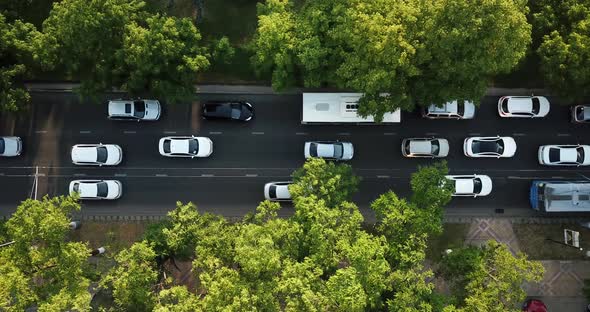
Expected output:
(277, 191)
(450, 110)
(10, 146)
(136, 110)
(96, 189)
(564, 155)
(425, 147)
(333, 150)
(523, 106)
(489, 147)
(185, 146)
(97, 154)
(471, 185)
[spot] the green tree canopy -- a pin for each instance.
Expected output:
(42, 268)
(563, 28)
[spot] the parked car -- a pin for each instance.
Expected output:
(10, 146)
(534, 305)
(425, 147)
(471, 185)
(185, 146)
(333, 150)
(450, 110)
(136, 110)
(580, 114)
(523, 106)
(489, 147)
(232, 110)
(97, 154)
(96, 189)
(564, 155)
(277, 191)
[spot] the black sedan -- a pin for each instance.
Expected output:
(242, 111)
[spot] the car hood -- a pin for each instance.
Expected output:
(544, 106)
(586, 155)
(486, 185)
(443, 147)
(348, 151)
(115, 154)
(152, 109)
(469, 112)
(509, 147)
(205, 147)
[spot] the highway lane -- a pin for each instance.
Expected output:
(268, 148)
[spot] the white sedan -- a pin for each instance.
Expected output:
(333, 150)
(489, 147)
(10, 146)
(277, 191)
(425, 147)
(471, 185)
(523, 106)
(96, 189)
(185, 146)
(97, 154)
(564, 155)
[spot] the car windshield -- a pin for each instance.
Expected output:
(139, 107)
(496, 147)
(313, 150)
(435, 147)
(476, 185)
(102, 189)
(101, 154)
(76, 187)
(193, 146)
(536, 106)
(460, 108)
(407, 147)
(166, 146)
(338, 150)
(1, 146)
(505, 105)
(272, 191)
(554, 154)
(580, 151)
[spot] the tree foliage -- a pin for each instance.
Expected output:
(15, 56)
(424, 52)
(563, 28)
(42, 268)
(492, 277)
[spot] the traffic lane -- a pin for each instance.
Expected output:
(15, 189)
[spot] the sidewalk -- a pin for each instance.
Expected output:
(561, 287)
(257, 89)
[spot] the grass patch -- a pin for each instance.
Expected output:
(532, 241)
(114, 236)
(452, 237)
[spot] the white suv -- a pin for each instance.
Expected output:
(523, 106)
(136, 110)
(450, 110)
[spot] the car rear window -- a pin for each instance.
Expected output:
(166, 146)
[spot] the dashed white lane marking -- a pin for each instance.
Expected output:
(389, 133)
(129, 132)
(431, 133)
(215, 132)
(258, 133)
(522, 178)
(474, 134)
(79, 174)
(41, 131)
(383, 176)
(207, 175)
(563, 134)
(519, 134)
(251, 175)
(120, 174)
(1, 173)
(41, 174)
(161, 175)
(344, 133)
(85, 131)
(170, 132)
(558, 177)
(300, 133)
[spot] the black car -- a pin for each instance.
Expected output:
(242, 111)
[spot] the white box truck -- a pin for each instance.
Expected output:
(338, 108)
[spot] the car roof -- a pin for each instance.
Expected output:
(464, 186)
(88, 189)
(283, 191)
(179, 146)
(420, 147)
(520, 105)
(325, 149)
(447, 108)
(84, 153)
(568, 154)
(117, 107)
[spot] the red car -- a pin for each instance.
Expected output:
(534, 305)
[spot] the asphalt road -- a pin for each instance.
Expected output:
(269, 148)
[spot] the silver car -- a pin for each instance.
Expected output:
(425, 147)
(332, 150)
(136, 110)
(97, 189)
(277, 191)
(10, 146)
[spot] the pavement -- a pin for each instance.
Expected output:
(561, 287)
(247, 155)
